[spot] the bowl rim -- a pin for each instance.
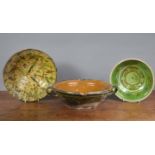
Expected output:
(150, 68)
(56, 70)
(83, 94)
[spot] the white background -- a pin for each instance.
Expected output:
(52, 138)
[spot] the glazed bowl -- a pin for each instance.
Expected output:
(29, 75)
(134, 80)
(83, 94)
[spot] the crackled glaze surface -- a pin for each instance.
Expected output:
(134, 80)
(29, 75)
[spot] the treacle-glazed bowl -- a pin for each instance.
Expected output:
(83, 94)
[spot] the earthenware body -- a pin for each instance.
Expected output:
(83, 94)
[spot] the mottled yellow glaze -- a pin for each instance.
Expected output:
(29, 75)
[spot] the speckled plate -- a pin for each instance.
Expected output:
(29, 75)
(134, 80)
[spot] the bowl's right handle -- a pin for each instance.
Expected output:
(109, 93)
(112, 91)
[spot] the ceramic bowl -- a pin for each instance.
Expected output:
(134, 80)
(83, 94)
(29, 75)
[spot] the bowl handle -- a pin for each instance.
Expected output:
(51, 90)
(109, 93)
(114, 88)
(112, 91)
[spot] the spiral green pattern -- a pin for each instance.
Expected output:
(134, 80)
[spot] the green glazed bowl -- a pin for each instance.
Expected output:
(134, 80)
(29, 75)
(83, 94)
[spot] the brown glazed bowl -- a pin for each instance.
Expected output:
(83, 94)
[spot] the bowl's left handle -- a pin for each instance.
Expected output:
(52, 90)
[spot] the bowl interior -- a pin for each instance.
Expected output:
(30, 75)
(82, 86)
(134, 80)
